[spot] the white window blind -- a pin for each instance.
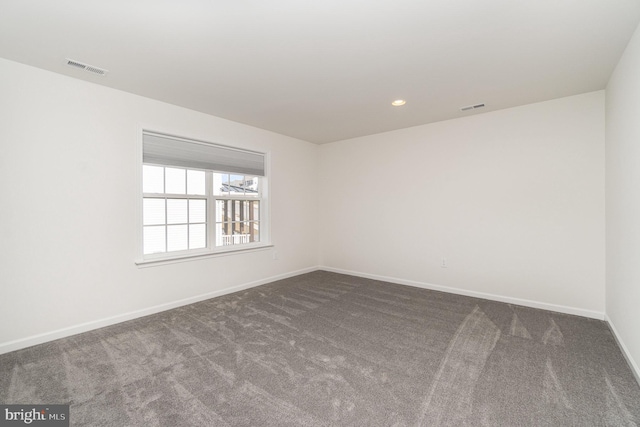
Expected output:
(170, 151)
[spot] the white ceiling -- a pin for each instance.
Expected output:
(328, 70)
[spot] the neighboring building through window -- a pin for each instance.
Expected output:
(200, 198)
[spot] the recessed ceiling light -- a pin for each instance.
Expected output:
(398, 102)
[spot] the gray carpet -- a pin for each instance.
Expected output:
(325, 349)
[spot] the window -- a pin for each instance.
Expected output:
(200, 198)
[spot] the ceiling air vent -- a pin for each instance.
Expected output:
(86, 67)
(471, 107)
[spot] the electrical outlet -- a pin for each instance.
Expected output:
(443, 263)
(275, 254)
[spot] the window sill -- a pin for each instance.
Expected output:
(193, 257)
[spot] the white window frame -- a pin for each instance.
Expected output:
(211, 250)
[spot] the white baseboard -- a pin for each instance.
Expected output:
(96, 324)
(625, 351)
(510, 300)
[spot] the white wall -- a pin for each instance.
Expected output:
(513, 199)
(623, 200)
(68, 168)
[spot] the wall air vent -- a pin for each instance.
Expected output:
(86, 67)
(472, 107)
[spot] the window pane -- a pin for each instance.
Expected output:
(197, 211)
(152, 179)
(153, 240)
(176, 211)
(244, 213)
(220, 184)
(236, 183)
(219, 211)
(254, 231)
(236, 210)
(255, 211)
(175, 181)
(195, 182)
(251, 185)
(224, 210)
(220, 235)
(197, 236)
(177, 238)
(243, 236)
(152, 211)
(227, 228)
